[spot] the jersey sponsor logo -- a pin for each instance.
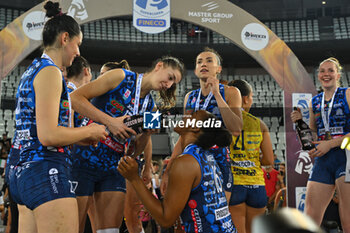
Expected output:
(207, 183)
(117, 105)
(197, 221)
(53, 171)
(253, 142)
(193, 100)
(65, 104)
(80, 117)
(55, 149)
(116, 146)
(222, 213)
(222, 200)
(24, 134)
(238, 171)
(238, 156)
(126, 94)
(54, 179)
(245, 163)
(253, 135)
(333, 130)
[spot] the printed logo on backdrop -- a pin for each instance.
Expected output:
(300, 194)
(207, 16)
(33, 24)
(151, 16)
(301, 100)
(151, 120)
(254, 36)
(77, 10)
(304, 163)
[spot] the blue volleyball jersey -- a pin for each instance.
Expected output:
(212, 106)
(207, 209)
(117, 102)
(79, 120)
(31, 147)
(339, 118)
(222, 154)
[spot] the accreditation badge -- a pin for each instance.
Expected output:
(328, 135)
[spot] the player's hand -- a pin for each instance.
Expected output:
(146, 176)
(296, 115)
(213, 84)
(322, 147)
(119, 129)
(128, 168)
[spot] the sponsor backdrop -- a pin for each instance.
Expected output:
(22, 36)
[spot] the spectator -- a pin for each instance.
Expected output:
(156, 178)
(276, 162)
(282, 175)
(271, 185)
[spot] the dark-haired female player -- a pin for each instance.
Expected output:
(41, 184)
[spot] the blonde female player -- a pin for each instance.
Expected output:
(330, 119)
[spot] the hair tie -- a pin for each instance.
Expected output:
(59, 13)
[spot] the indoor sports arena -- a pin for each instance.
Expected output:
(175, 116)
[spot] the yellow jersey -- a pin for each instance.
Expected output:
(245, 153)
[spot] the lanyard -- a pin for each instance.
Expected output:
(72, 85)
(137, 97)
(44, 55)
(325, 118)
(206, 103)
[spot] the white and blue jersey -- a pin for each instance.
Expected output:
(117, 102)
(207, 209)
(26, 129)
(329, 167)
(222, 154)
(211, 107)
(339, 118)
(39, 166)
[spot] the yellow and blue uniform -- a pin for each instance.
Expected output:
(249, 183)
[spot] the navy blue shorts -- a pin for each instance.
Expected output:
(329, 167)
(253, 195)
(35, 183)
(88, 181)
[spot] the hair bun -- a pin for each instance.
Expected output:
(52, 9)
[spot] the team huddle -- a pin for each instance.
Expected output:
(73, 154)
